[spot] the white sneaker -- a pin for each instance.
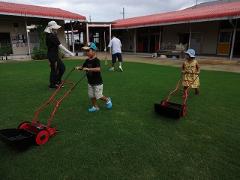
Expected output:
(93, 109)
(109, 103)
(111, 69)
(121, 69)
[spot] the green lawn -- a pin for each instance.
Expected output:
(130, 141)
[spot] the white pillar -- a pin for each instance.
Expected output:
(105, 43)
(233, 40)
(110, 36)
(110, 32)
(28, 40)
(73, 42)
(87, 31)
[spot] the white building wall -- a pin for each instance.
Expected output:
(20, 47)
(7, 26)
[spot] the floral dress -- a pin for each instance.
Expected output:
(190, 78)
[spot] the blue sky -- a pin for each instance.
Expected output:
(105, 10)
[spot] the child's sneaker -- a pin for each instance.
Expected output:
(93, 109)
(121, 69)
(109, 104)
(111, 69)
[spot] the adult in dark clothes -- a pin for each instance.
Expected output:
(56, 64)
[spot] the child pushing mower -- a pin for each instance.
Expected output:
(95, 82)
(191, 70)
(189, 79)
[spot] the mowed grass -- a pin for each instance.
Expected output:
(130, 141)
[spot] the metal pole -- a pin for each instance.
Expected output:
(110, 36)
(28, 41)
(73, 44)
(233, 40)
(123, 13)
(105, 45)
(87, 31)
(110, 32)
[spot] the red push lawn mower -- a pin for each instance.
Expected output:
(172, 109)
(35, 132)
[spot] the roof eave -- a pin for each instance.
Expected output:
(39, 16)
(179, 22)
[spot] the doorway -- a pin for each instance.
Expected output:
(5, 44)
(224, 42)
(236, 51)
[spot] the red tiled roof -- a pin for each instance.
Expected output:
(37, 11)
(196, 13)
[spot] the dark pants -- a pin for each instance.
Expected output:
(115, 57)
(57, 71)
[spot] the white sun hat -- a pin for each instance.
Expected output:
(51, 25)
(191, 53)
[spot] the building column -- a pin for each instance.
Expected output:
(190, 36)
(110, 32)
(160, 38)
(73, 42)
(68, 43)
(233, 40)
(135, 41)
(87, 33)
(79, 36)
(149, 41)
(28, 40)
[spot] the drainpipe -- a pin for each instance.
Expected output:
(234, 37)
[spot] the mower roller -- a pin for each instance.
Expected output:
(172, 109)
(34, 132)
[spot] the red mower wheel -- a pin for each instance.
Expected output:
(42, 137)
(24, 125)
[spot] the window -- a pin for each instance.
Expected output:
(225, 37)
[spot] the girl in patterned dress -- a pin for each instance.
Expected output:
(191, 70)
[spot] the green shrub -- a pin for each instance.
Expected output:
(61, 54)
(39, 53)
(5, 50)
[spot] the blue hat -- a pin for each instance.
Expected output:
(191, 53)
(91, 45)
